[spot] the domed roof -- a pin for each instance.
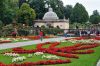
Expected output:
(50, 15)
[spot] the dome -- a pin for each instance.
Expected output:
(50, 15)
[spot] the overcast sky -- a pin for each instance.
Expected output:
(90, 5)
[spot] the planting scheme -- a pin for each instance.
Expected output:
(63, 53)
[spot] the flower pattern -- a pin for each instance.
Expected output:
(67, 51)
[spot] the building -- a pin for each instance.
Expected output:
(51, 19)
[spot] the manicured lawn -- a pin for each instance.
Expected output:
(84, 59)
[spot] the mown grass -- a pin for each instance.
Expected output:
(84, 60)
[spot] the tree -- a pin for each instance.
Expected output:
(1, 25)
(26, 14)
(9, 11)
(21, 2)
(79, 14)
(68, 11)
(40, 9)
(2, 9)
(95, 17)
(58, 7)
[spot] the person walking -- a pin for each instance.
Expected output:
(41, 35)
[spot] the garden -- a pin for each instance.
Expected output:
(13, 40)
(78, 51)
(22, 38)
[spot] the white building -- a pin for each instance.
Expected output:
(51, 19)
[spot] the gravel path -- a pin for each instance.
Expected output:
(19, 44)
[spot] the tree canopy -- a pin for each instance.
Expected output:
(26, 14)
(13, 9)
(68, 11)
(95, 17)
(10, 11)
(2, 9)
(40, 8)
(79, 14)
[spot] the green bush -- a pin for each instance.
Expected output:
(6, 30)
(54, 31)
(1, 24)
(22, 32)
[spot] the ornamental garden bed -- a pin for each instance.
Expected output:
(13, 40)
(5, 41)
(64, 54)
(22, 39)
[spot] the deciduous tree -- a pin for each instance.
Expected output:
(95, 17)
(26, 14)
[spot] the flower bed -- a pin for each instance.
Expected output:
(6, 41)
(48, 62)
(34, 37)
(66, 51)
(19, 39)
(9, 40)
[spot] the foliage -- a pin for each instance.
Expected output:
(6, 30)
(40, 9)
(23, 31)
(26, 14)
(68, 11)
(54, 31)
(79, 14)
(8, 18)
(21, 2)
(9, 11)
(80, 25)
(95, 17)
(2, 9)
(58, 7)
(1, 25)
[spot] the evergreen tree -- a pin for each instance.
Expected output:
(79, 14)
(68, 11)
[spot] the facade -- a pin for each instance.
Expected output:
(51, 19)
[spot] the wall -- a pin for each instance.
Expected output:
(62, 25)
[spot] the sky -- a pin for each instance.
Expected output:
(90, 5)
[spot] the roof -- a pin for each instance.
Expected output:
(50, 15)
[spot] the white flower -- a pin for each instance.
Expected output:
(38, 53)
(11, 54)
(53, 57)
(29, 55)
(17, 59)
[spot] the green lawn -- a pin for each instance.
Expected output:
(84, 60)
